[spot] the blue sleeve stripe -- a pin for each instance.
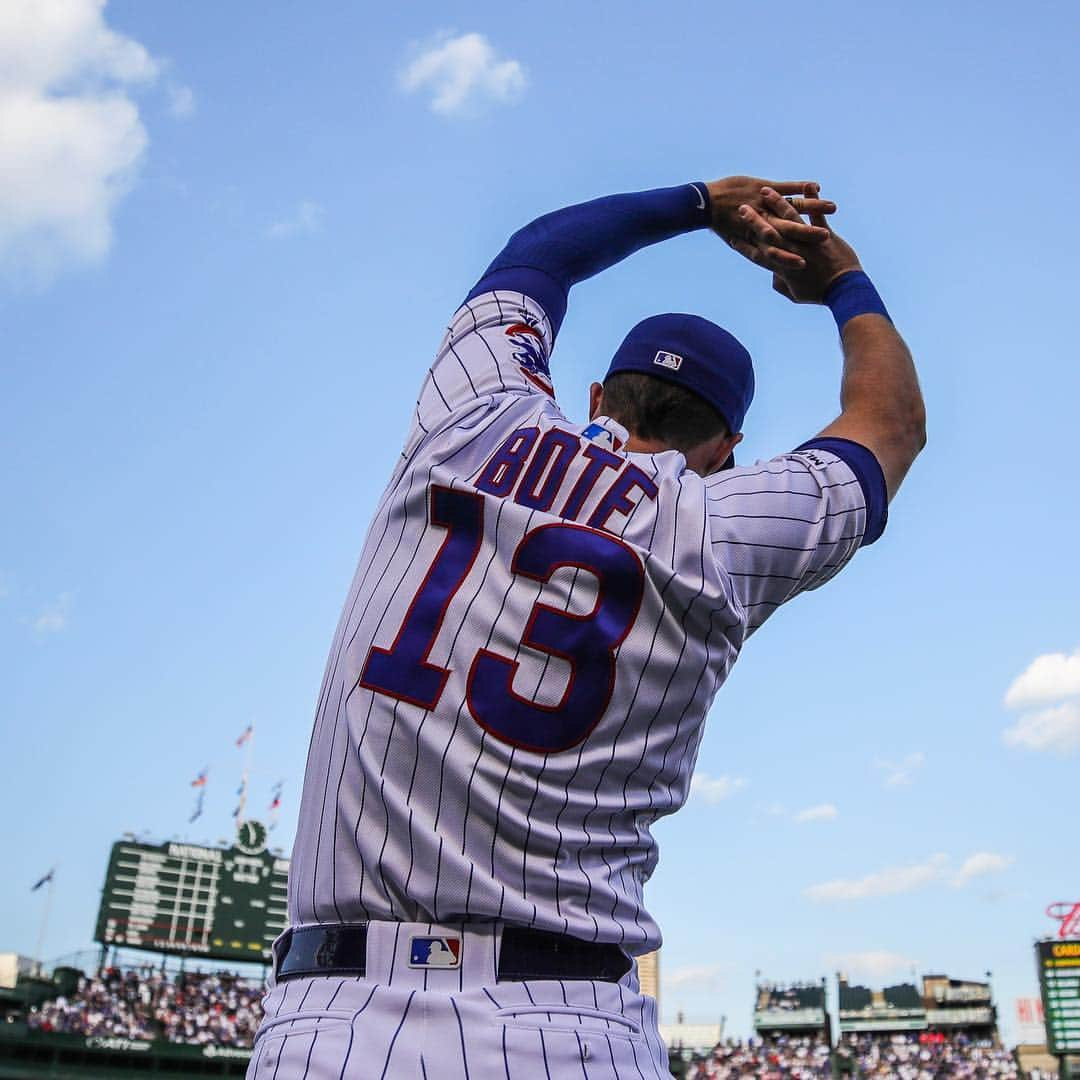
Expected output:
(871, 479)
(537, 284)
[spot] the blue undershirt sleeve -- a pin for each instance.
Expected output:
(556, 251)
(871, 479)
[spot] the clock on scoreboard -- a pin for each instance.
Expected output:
(190, 899)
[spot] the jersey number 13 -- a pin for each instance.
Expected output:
(586, 642)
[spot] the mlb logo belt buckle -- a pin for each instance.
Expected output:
(442, 951)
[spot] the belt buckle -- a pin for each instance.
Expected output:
(434, 951)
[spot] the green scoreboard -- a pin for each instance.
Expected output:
(221, 903)
(1059, 981)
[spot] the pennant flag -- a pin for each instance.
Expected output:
(241, 791)
(200, 783)
(275, 802)
(245, 735)
(43, 881)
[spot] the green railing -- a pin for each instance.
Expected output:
(29, 1055)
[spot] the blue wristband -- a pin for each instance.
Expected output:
(853, 294)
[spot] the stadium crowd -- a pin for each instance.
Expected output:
(216, 1008)
(789, 1057)
(906, 1057)
(223, 1009)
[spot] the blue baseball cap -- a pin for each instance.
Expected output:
(695, 354)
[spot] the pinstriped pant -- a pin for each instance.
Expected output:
(457, 1024)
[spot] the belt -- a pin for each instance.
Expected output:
(524, 953)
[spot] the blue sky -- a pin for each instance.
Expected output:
(228, 245)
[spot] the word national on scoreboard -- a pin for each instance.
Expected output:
(1059, 981)
(221, 903)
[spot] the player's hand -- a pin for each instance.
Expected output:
(821, 262)
(776, 240)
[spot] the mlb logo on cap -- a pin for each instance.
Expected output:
(695, 354)
(434, 952)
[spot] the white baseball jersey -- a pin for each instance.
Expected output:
(537, 626)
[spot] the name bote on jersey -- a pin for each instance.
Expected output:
(532, 469)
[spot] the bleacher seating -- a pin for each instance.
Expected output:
(214, 1008)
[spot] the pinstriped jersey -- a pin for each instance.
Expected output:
(537, 627)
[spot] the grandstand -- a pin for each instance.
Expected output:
(130, 1021)
(102, 1015)
(946, 1029)
(957, 1006)
(910, 1057)
(792, 1008)
(136, 1020)
(946, 1006)
(894, 1009)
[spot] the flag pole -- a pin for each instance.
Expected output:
(249, 750)
(44, 921)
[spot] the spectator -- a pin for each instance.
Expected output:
(215, 1008)
(906, 1057)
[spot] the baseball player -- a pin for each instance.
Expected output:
(542, 614)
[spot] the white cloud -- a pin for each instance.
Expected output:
(181, 101)
(1057, 729)
(982, 862)
(459, 71)
(307, 220)
(902, 772)
(887, 882)
(1050, 677)
(70, 136)
(703, 976)
(714, 789)
(54, 618)
(872, 963)
(824, 812)
(902, 879)
(768, 812)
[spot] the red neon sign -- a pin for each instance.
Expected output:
(1069, 915)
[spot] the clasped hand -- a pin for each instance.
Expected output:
(754, 217)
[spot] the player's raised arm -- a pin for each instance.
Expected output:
(550, 255)
(881, 404)
(790, 524)
(555, 252)
(501, 339)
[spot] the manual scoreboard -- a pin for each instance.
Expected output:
(221, 903)
(1059, 981)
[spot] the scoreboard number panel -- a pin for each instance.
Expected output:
(188, 899)
(1059, 981)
